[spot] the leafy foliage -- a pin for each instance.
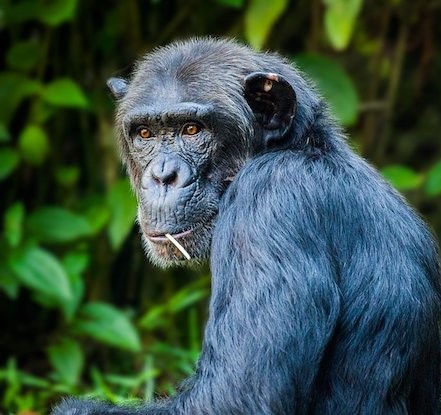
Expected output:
(83, 310)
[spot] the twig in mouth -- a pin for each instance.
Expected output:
(178, 245)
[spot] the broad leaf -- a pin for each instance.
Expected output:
(23, 55)
(433, 182)
(109, 325)
(123, 206)
(56, 224)
(67, 359)
(340, 17)
(402, 177)
(259, 19)
(40, 271)
(14, 88)
(334, 83)
(13, 223)
(65, 92)
(34, 144)
(55, 12)
(67, 175)
(9, 160)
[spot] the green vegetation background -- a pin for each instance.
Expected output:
(82, 311)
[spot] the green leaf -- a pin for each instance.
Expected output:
(402, 177)
(56, 224)
(259, 19)
(67, 359)
(123, 206)
(97, 212)
(8, 281)
(67, 175)
(75, 263)
(108, 325)
(9, 160)
(185, 299)
(65, 92)
(40, 271)
(13, 223)
(433, 181)
(334, 83)
(14, 88)
(237, 4)
(23, 55)
(154, 317)
(14, 12)
(340, 17)
(33, 144)
(55, 12)
(4, 133)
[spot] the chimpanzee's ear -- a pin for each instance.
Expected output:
(273, 101)
(118, 87)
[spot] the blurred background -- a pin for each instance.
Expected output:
(82, 311)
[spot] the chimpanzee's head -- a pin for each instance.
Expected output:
(187, 122)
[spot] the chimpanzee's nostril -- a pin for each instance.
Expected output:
(167, 178)
(167, 170)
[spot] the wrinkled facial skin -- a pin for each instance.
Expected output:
(179, 162)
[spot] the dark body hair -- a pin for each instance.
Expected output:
(325, 292)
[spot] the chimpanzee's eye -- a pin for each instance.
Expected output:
(191, 128)
(143, 132)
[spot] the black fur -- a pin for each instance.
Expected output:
(325, 295)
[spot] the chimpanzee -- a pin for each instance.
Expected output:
(325, 283)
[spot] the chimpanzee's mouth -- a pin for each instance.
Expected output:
(159, 237)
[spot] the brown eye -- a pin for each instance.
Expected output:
(144, 133)
(192, 129)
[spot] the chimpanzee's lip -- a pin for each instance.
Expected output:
(160, 236)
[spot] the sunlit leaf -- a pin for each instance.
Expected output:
(13, 223)
(64, 92)
(67, 359)
(433, 182)
(186, 298)
(75, 263)
(259, 19)
(123, 206)
(40, 271)
(402, 177)
(34, 144)
(9, 160)
(23, 55)
(340, 17)
(334, 83)
(97, 212)
(109, 325)
(56, 224)
(154, 317)
(55, 12)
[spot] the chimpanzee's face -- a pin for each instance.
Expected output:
(176, 175)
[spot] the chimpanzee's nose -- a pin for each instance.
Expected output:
(167, 170)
